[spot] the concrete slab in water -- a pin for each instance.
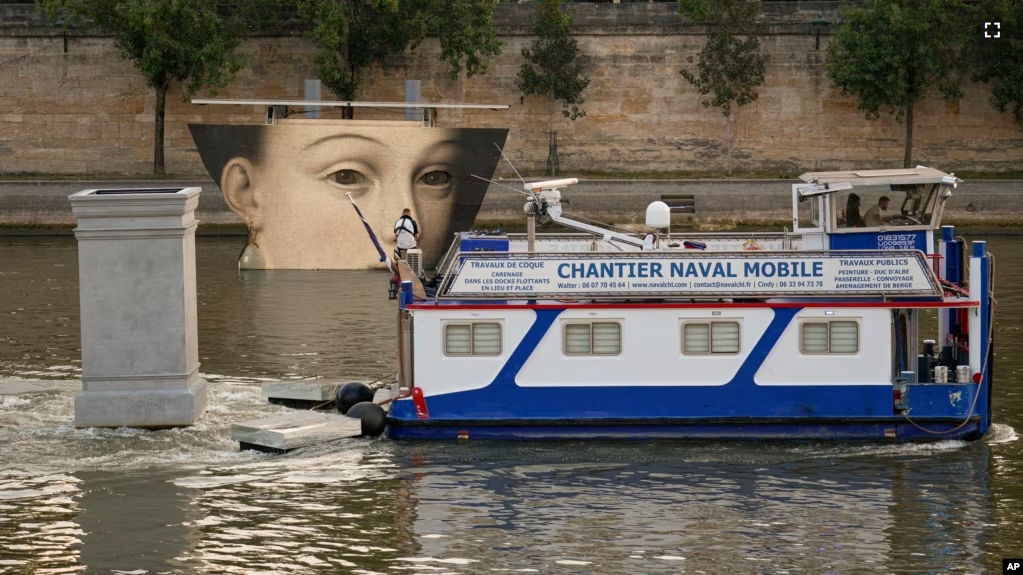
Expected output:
(18, 386)
(294, 430)
(310, 394)
(316, 390)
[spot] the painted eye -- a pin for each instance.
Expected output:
(349, 177)
(435, 178)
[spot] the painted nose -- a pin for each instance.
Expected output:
(396, 198)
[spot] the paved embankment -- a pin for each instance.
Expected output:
(42, 207)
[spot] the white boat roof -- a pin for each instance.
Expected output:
(338, 104)
(917, 175)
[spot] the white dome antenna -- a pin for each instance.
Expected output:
(658, 215)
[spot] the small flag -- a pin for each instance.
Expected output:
(369, 231)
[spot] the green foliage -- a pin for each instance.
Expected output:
(183, 40)
(890, 53)
(1000, 59)
(552, 68)
(351, 35)
(188, 41)
(698, 10)
(730, 67)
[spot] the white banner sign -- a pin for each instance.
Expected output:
(895, 273)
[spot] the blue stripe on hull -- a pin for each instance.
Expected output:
(697, 431)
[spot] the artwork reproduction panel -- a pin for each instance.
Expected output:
(290, 184)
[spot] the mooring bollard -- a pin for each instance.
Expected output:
(136, 268)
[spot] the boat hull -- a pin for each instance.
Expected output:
(768, 390)
(895, 430)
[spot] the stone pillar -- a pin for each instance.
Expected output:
(136, 267)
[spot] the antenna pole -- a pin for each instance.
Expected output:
(509, 163)
(502, 185)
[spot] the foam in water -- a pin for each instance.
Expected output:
(452, 560)
(8, 401)
(38, 430)
(1000, 433)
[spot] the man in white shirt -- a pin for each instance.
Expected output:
(874, 218)
(406, 232)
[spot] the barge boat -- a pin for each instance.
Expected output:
(814, 333)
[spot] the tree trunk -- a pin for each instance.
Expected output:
(907, 162)
(161, 106)
(348, 112)
(728, 143)
(551, 150)
(550, 112)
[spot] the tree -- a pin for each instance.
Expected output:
(185, 41)
(552, 69)
(1001, 58)
(730, 67)
(351, 35)
(890, 53)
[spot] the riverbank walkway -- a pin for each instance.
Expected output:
(41, 207)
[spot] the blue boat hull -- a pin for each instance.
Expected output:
(894, 430)
(738, 410)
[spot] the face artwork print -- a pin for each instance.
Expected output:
(290, 183)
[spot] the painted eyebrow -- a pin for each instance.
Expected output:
(358, 137)
(447, 143)
(424, 156)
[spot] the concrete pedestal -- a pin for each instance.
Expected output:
(140, 353)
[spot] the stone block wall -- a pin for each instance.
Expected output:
(86, 111)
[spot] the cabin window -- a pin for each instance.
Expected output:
(593, 338)
(808, 212)
(908, 205)
(710, 337)
(472, 339)
(840, 336)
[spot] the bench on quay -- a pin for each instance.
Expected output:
(680, 203)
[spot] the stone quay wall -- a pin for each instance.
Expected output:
(87, 111)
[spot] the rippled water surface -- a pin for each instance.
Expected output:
(187, 501)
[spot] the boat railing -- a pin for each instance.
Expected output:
(674, 235)
(713, 241)
(452, 250)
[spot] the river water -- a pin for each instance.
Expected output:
(187, 501)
